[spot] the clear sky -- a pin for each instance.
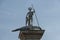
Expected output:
(13, 12)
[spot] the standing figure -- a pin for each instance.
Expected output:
(29, 16)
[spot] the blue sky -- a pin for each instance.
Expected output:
(13, 12)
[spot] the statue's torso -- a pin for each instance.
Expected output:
(30, 14)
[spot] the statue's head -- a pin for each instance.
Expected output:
(29, 8)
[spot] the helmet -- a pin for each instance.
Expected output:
(29, 8)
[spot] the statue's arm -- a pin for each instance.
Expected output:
(33, 10)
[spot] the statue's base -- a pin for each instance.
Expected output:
(31, 33)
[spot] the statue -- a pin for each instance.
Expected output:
(29, 16)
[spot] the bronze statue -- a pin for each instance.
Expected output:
(29, 16)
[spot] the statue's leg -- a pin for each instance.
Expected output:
(31, 21)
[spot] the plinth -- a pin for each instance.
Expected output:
(31, 33)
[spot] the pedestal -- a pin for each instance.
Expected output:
(34, 33)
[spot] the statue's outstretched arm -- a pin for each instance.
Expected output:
(33, 10)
